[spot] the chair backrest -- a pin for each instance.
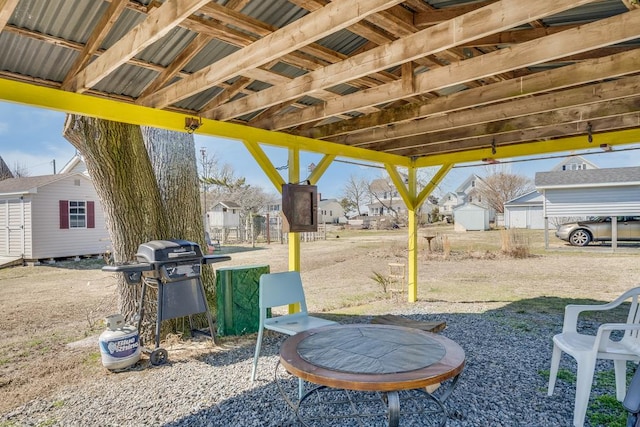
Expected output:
(633, 317)
(278, 289)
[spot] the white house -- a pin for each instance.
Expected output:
(51, 216)
(466, 193)
(330, 211)
(386, 199)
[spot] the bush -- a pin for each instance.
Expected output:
(515, 243)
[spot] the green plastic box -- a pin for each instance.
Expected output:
(237, 299)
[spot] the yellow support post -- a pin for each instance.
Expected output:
(294, 238)
(412, 271)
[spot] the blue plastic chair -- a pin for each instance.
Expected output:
(277, 290)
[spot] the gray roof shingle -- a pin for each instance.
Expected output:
(574, 178)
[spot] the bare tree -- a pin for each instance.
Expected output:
(501, 186)
(20, 170)
(355, 193)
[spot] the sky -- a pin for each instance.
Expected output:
(31, 138)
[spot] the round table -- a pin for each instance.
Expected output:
(365, 357)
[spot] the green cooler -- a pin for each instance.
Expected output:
(237, 294)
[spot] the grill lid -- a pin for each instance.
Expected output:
(157, 251)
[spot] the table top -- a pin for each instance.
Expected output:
(372, 357)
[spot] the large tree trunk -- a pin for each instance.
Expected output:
(173, 158)
(117, 161)
(148, 186)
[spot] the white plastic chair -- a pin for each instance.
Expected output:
(276, 290)
(586, 349)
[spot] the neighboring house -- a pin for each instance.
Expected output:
(330, 212)
(590, 192)
(525, 211)
(574, 163)
(465, 194)
(471, 217)
(447, 203)
(5, 172)
(51, 216)
(75, 165)
(385, 199)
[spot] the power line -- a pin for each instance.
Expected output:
(558, 156)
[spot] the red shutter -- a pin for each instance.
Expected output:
(91, 215)
(64, 214)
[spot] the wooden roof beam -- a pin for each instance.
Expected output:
(569, 98)
(6, 10)
(562, 116)
(155, 26)
(99, 33)
(601, 33)
(549, 80)
(302, 32)
(478, 23)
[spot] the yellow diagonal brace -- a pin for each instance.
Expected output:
(399, 184)
(126, 112)
(442, 172)
(321, 168)
(265, 164)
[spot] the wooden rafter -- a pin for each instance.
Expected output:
(98, 35)
(478, 23)
(6, 10)
(612, 30)
(307, 29)
(158, 23)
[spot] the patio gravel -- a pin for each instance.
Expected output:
(503, 383)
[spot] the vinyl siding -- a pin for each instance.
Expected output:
(615, 200)
(53, 242)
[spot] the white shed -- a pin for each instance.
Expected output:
(471, 217)
(51, 216)
(525, 211)
(224, 215)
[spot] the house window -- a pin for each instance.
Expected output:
(77, 214)
(473, 183)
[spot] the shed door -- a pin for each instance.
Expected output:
(12, 226)
(518, 218)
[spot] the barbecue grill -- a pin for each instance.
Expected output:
(174, 268)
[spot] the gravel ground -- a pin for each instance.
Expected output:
(502, 387)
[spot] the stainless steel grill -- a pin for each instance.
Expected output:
(173, 267)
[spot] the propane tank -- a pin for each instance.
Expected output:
(119, 344)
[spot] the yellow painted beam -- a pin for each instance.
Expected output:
(321, 168)
(265, 164)
(125, 112)
(580, 142)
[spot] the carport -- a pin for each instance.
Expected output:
(407, 85)
(608, 192)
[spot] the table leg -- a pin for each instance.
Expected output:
(393, 403)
